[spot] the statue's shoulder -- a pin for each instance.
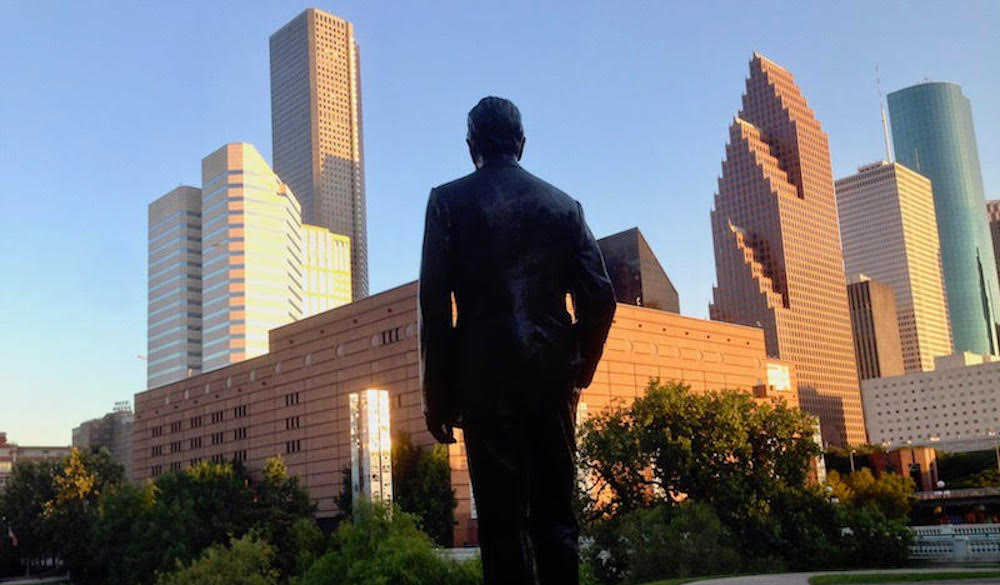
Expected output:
(554, 195)
(452, 189)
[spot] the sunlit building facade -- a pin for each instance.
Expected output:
(316, 127)
(889, 233)
(327, 271)
(173, 320)
(954, 407)
(295, 400)
(252, 255)
(778, 258)
(933, 134)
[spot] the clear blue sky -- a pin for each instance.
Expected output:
(105, 106)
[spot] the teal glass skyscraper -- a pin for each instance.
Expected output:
(932, 133)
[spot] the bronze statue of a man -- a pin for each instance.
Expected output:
(509, 366)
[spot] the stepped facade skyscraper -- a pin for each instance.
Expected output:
(778, 257)
(889, 233)
(933, 134)
(316, 128)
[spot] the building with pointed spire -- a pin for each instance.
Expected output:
(778, 257)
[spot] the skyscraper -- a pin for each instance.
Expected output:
(316, 128)
(173, 325)
(326, 275)
(993, 215)
(252, 255)
(635, 272)
(933, 134)
(777, 247)
(889, 232)
(876, 328)
(230, 261)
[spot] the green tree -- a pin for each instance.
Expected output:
(722, 448)
(747, 462)
(385, 545)
(284, 514)
(246, 561)
(22, 509)
(891, 493)
(122, 555)
(73, 509)
(195, 508)
(422, 486)
(645, 544)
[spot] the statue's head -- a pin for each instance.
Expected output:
(495, 131)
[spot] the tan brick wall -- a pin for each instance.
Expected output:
(323, 358)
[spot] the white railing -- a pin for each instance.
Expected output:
(956, 542)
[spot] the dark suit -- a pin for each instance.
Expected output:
(509, 247)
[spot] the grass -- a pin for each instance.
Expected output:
(900, 577)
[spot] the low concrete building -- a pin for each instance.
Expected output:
(113, 432)
(956, 407)
(293, 401)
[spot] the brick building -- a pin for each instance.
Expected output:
(293, 401)
(12, 453)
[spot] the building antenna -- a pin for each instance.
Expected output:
(885, 124)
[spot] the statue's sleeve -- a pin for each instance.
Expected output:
(434, 311)
(593, 300)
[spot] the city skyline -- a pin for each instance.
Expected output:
(664, 158)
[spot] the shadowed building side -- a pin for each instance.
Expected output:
(993, 213)
(876, 328)
(635, 272)
(778, 258)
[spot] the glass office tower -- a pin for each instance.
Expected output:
(933, 134)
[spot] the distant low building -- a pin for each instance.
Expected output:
(113, 432)
(636, 274)
(12, 453)
(955, 408)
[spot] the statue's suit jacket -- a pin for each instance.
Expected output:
(508, 247)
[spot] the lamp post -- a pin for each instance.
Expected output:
(851, 455)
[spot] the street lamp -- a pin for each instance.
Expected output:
(851, 455)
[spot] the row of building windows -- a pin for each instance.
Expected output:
(238, 455)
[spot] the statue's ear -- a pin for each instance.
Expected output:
(520, 151)
(474, 154)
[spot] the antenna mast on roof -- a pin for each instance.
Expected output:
(885, 124)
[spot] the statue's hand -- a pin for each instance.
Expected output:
(440, 430)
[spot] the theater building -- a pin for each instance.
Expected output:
(293, 401)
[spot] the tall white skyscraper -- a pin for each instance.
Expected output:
(889, 232)
(173, 325)
(252, 255)
(231, 261)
